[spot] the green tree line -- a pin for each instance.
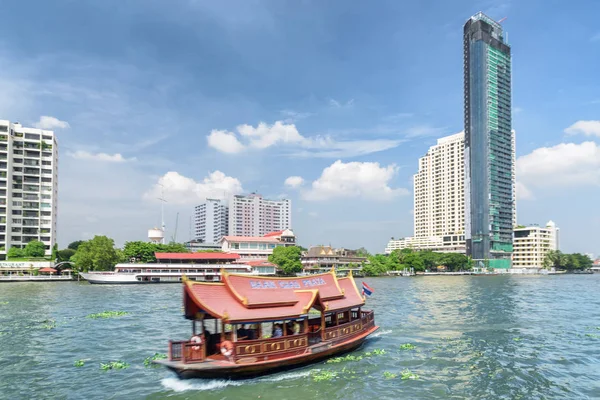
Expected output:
(420, 261)
(558, 260)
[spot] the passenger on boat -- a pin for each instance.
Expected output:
(296, 328)
(277, 332)
(242, 333)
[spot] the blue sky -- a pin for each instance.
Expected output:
(209, 97)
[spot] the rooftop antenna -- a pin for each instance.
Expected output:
(162, 209)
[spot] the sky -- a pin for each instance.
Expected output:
(330, 104)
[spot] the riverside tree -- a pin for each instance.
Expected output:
(558, 260)
(35, 248)
(287, 258)
(398, 260)
(144, 251)
(97, 254)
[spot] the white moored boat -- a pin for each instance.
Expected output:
(204, 267)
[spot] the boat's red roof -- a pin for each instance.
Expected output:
(47, 269)
(196, 256)
(243, 298)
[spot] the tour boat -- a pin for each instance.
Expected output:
(246, 326)
(196, 266)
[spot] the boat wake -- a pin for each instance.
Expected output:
(382, 333)
(178, 385)
(284, 377)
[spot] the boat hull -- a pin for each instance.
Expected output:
(110, 279)
(233, 371)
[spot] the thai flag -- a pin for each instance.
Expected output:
(366, 290)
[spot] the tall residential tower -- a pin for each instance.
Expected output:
(211, 221)
(28, 186)
(254, 215)
(489, 143)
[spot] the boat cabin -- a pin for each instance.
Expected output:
(245, 320)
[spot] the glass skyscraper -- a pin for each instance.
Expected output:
(489, 145)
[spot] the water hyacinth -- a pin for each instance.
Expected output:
(114, 365)
(376, 352)
(320, 376)
(389, 375)
(108, 314)
(407, 374)
(79, 363)
(349, 357)
(407, 346)
(157, 356)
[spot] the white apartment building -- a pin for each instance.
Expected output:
(256, 216)
(28, 186)
(211, 221)
(257, 248)
(532, 243)
(439, 200)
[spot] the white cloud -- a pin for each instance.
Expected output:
(281, 134)
(336, 104)
(116, 158)
(47, 122)
(355, 179)
(293, 116)
(225, 142)
(264, 136)
(313, 214)
(294, 181)
(563, 165)
(587, 128)
(179, 189)
(523, 193)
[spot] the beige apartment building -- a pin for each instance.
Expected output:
(532, 243)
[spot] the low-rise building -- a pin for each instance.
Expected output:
(322, 258)
(532, 243)
(442, 244)
(257, 248)
(197, 245)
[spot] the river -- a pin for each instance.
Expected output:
(510, 337)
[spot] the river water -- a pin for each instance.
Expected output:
(526, 337)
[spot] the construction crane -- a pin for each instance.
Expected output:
(502, 20)
(174, 237)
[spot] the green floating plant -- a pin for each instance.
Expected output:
(349, 357)
(407, 374)
(516, 339)
(407, 346)
(79, 363)
(3, 303)
(157, 356)
(376, 352)
(591, 335)
(389, 375)
(114, 365)
(108, 314)
(320, 376)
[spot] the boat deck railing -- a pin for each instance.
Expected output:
(269, 348)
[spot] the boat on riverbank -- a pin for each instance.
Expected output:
(251, 326)
(196, 266)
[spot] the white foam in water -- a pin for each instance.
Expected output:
(290, 375)
(382, 333)
(178, 385)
